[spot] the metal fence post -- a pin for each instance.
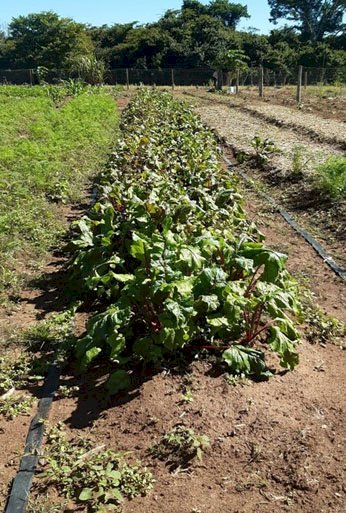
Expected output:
(172, 79)
(305, 80)
(261, 82)
(299, 86)
(237, 82)
(127, 79)
(31, 77)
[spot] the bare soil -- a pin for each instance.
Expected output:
(326, 104)
(309, 124)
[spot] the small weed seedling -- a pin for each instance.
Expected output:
(298, 162)
(66, 392)
(264, 149)
(187, 396)
(234, 381)
(11, 407)
(97, 477)
(322, 328)
(180, 446)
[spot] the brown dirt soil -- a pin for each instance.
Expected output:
(34, 304)
(308, 124)
(277, 446)
(325, 105)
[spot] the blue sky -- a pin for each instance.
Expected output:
(99, 12)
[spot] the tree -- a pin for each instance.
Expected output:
(107, 38)
(45, 39)
(230, 14)
(313, 18)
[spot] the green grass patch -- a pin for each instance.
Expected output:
(47, 154)
(332, 177)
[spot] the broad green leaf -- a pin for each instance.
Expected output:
(89, 356)
(118, 381)
(246, 360)
(284, 347)
(86, 494)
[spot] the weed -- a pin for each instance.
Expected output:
(52, 334)
(255, 452)
(180, 446)
(331, 177)
(298, 162)
(94, 476)
(46, 154)
(264, 149)
(187, 396)
(11, 407)
(17, 371)
(45, 505)
(242, 157)
(66, 392)
(322, 328)
(253, 481)
(237, 380)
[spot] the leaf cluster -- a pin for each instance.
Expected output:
(264, 149)
(180, 446)
(168, 252)
(99, 478)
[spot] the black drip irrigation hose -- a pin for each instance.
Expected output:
(289, 219)
(20, 491)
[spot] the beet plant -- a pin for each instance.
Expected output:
(169, 255)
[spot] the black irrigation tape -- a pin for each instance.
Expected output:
(288, 218)
(19, 496)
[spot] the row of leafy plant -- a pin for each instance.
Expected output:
(169, 257)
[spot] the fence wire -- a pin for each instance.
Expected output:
(187, 77)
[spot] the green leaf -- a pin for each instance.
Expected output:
(117, 342)
(123, 278)
(284, 347)
(246, 360)
(89, 356)
(137, 248)
(118, 381)
(86, 494)
(211, 303)
(217, 321)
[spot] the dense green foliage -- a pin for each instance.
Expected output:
(332, 177)
(47, 151)
(45, 39)
(168, 252)
(197, 35)
(314, 18)
(97, 478)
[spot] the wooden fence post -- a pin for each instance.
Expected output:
(237, 82)
(299, 86)
(172, 78)
(261, 82)
(127, 79)
(31, 77)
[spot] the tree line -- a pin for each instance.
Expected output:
(196, 35)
